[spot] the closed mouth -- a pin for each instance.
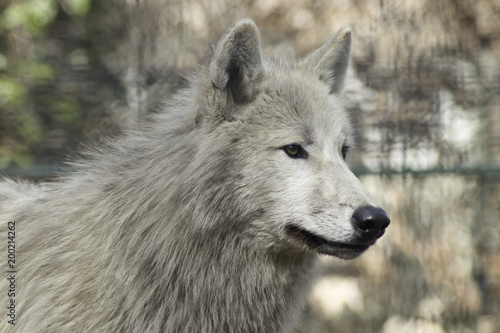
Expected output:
(324, 246)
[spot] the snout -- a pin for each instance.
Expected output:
(370, 222)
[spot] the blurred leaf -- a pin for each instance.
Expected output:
(36, 70)
(77, 7)
(11, 92)
(30, 128)
(79, 59)
(32, 14)
(67, 111)
(14, 16)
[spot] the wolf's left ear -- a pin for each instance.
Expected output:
(236, 67)
(331, 60)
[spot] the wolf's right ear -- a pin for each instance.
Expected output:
(237, 65)
(331, 60)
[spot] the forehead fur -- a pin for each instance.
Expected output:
(293, 98)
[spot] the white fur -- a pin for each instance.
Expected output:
(183, 224)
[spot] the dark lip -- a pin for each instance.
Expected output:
(324, 246)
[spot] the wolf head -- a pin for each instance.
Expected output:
(279, 137)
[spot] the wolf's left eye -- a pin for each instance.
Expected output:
(295, 151)
(345, 150)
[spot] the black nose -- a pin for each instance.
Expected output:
(370, 222)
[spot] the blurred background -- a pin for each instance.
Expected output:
(423, 88)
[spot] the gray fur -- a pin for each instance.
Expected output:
(332, 59)
(181, 225)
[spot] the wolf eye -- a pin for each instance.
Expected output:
(345, 149)
(295, 151)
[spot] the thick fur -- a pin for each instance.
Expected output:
(184, 224)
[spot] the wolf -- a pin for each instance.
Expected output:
(209, 216)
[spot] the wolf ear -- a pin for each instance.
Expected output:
(331, 60)
(237, 68)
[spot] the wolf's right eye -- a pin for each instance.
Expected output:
(295, 151)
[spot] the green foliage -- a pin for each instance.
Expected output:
(77, 7)
(67, 111)
(40, 53)
(34, 15)
(35, 69)
(11, 92)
